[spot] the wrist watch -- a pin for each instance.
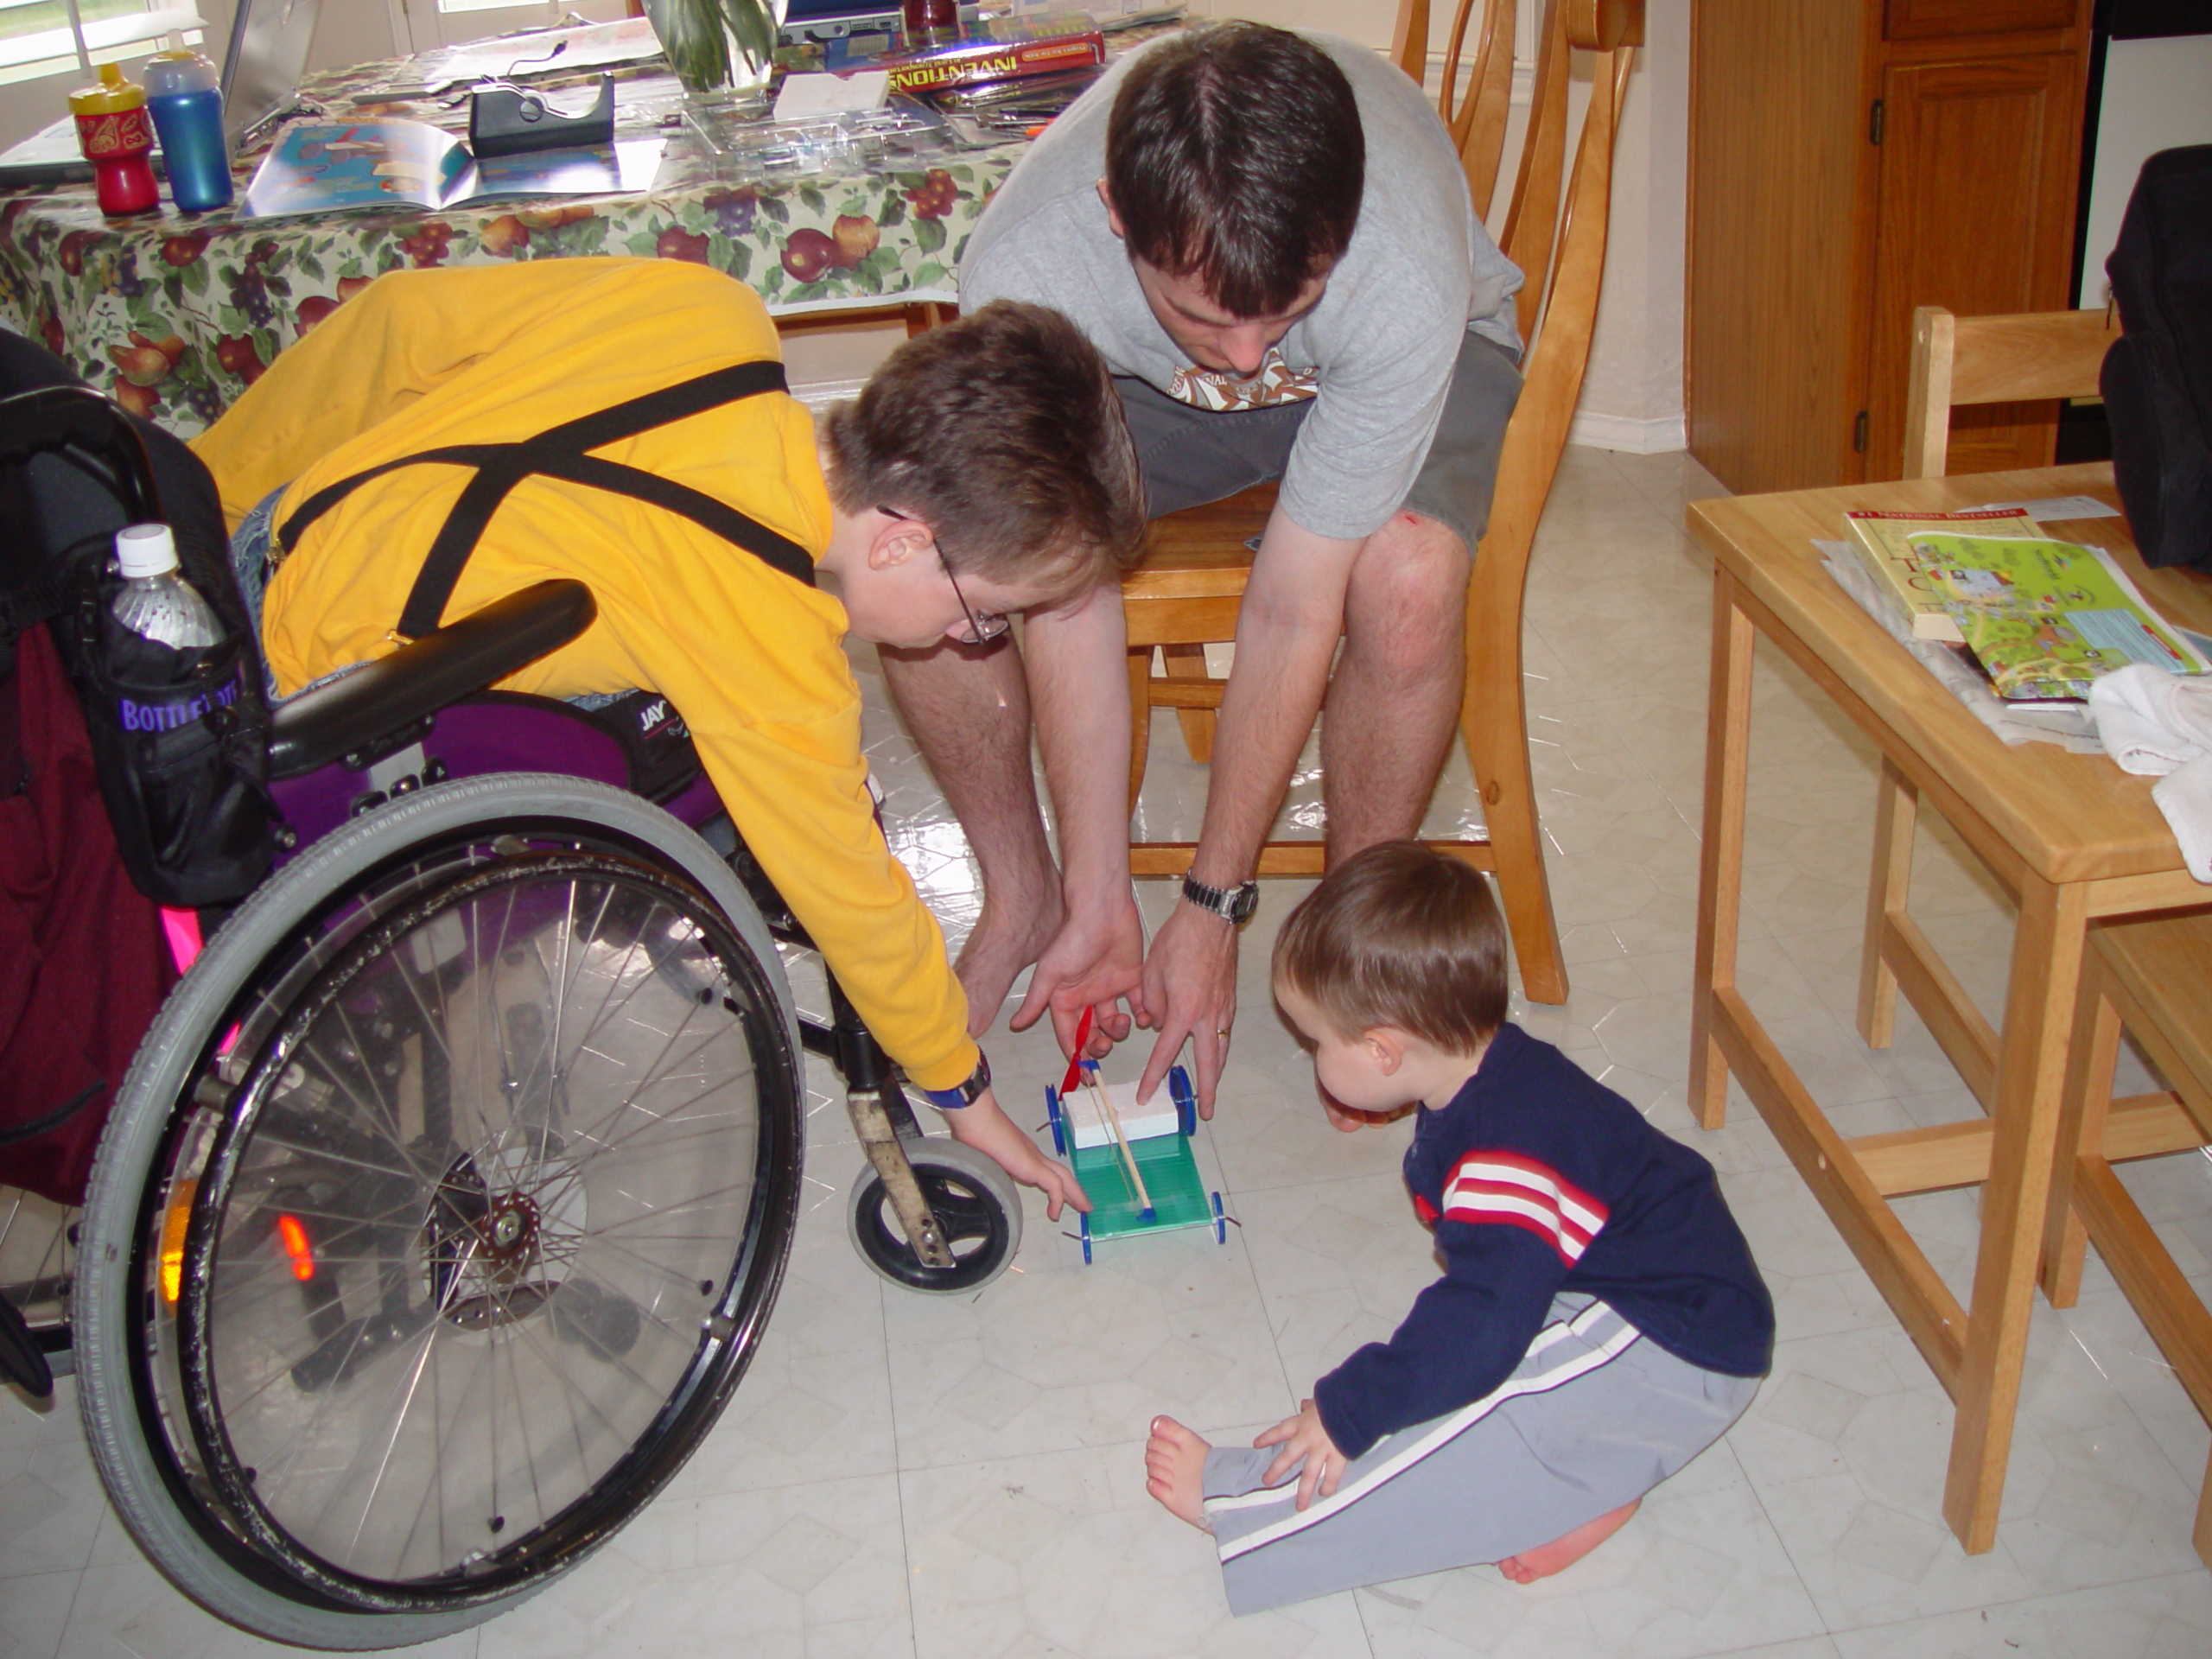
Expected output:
(1233, 905)
(963, 1094)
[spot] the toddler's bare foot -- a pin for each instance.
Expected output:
(1175, 1469)
(1565, 1550)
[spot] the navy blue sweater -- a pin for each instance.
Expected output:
(1538, 1179)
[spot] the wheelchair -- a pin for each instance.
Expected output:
(448, 1197)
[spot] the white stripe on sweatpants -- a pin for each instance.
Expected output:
(1536, 1382)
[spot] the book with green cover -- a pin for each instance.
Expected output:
(1883, 542)
(2044, 618)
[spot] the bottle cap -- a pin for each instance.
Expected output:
(145, 550)
(112, 97)
(169, 74)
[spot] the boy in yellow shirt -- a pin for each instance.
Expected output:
(657, 457)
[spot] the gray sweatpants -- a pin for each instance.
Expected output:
(1594, 1416)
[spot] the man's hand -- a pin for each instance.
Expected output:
(983, 1125)
(1092, 961)
(1302, 1436)
(1190, 990)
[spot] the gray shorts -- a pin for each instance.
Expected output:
(1595, 1415)
(1192, 455)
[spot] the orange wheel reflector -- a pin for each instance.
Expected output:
(174, 1222)
(297, 1246)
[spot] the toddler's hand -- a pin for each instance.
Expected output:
(1303, 1436)
(994, 1135)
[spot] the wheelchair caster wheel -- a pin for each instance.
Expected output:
(974, 1203)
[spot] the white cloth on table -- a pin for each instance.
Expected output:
(2159, 724)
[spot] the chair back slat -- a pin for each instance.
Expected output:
(1999, 359)
(1552, 380)
(1532, 221)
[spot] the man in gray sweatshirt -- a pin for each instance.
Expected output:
(1267, 235)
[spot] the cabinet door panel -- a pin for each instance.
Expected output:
(1976, 213)
(1921, 20)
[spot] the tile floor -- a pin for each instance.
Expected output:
(962, 1479)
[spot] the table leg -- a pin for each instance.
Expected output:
(1897, 806)
(1720, 871)
(2081, 1125)
(2045, 977)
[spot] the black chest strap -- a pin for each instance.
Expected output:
(562, 452)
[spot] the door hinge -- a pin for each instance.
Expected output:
(1858, 433)
(1874, 124)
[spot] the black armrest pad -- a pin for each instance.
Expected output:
(320, 725)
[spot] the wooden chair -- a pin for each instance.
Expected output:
(1957, 361)
(2155, 978)
(1185, 594)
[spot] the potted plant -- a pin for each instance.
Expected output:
(717, 46)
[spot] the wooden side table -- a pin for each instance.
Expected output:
(2072, 837)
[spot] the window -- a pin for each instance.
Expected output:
(49, 37)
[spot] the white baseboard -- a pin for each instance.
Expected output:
(1636, 437)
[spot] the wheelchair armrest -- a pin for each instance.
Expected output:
(350, 715)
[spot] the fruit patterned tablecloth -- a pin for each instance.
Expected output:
(175, 314)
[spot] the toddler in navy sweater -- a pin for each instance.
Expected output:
(1599, 1321)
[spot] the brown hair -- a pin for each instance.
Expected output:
(1003, 432)
(1404, 936)
(1235, 158)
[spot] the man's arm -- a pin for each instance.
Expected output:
(1076, 658)
(1287, 630)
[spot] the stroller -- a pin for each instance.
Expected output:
(448, 1194)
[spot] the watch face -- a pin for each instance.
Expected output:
(1243, 902)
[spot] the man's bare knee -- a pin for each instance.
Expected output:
(1409, 591)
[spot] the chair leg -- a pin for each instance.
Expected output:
(2080, 1130)
(1494, 725)
(1896, 807)
(1189, 663)
(1139, 718)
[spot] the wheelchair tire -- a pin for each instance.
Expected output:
(974, 1202)
(396, 899)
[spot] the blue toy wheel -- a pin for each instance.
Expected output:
(1053, 1112)
(1083, 1225)
(1220, 1223)
(1186, 1101)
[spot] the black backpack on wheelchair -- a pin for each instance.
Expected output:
(447, 1196)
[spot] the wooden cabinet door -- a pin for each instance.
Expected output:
(1978, 170)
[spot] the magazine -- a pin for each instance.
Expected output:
(2044, 618)
(322, 167)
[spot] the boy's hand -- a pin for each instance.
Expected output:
(994, 1135)
(1302, 1436)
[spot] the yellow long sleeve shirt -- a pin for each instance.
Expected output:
(752, 659)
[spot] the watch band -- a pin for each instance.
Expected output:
(1233, 905)
(965, 1094)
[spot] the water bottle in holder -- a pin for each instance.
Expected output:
(155, 601)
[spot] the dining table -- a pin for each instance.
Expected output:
(2075, 841)
(176, 314)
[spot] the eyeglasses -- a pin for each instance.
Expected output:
(983, 626)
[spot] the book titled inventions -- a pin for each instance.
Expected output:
(1002, 48)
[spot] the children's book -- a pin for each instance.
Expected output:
(2044, 618)
(323, 167)
(1883, 542)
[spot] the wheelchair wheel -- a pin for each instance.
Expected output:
(974, 1202)
(441, 1212)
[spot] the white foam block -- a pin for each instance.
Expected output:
(1088, 1125)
